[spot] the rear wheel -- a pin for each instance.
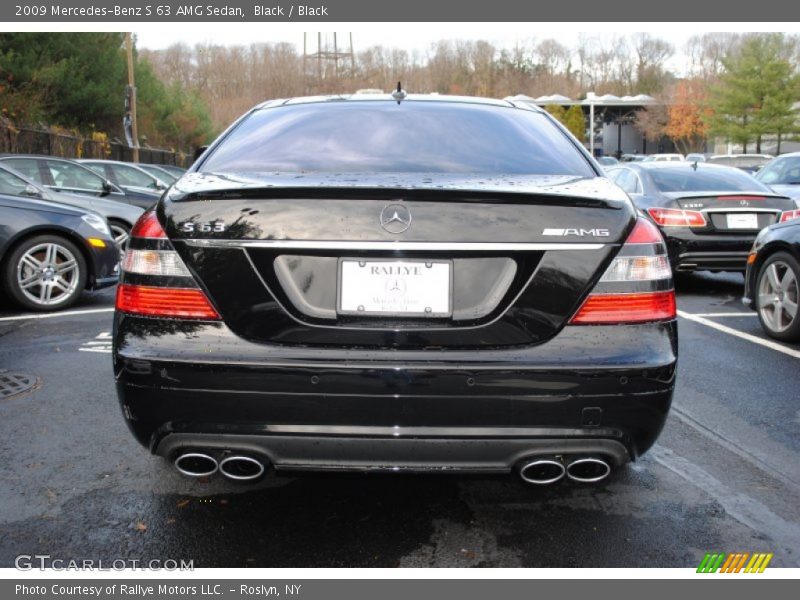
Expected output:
(777, 297)
(45, 273)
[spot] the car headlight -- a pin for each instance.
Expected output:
(98, 223)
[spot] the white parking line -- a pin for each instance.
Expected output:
(101, 343)
(57, 314)
(740, 334)
(726, 314)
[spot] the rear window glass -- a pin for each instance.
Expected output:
(412, 137)
(687, 179)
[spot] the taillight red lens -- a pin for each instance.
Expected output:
(148, 227)
(672, 217)
(176, 303)
(644, 232)
(626, 308)
(789, 215)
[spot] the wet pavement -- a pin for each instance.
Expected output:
(725, 475)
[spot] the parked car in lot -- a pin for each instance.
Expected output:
(663, 158)
(782, 174)
(120, 217)
(632, 157)
(62, 175)
(696, 157)
(746, 162)
(772, 282)
(127, 176)
(50, 253)
(708, 214)
(174, 170)
(607, 161)
(436, 284)
(159, 172)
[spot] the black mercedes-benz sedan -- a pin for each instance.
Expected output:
(391, 283)
(708, 214)
(50, 253)
(772, 281)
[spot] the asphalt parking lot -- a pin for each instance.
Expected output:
(725, 475)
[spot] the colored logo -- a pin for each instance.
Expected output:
(738, 562)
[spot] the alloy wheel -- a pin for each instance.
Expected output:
(778, 292)
(48, 274)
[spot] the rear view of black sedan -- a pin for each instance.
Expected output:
(709, 214)
(772, 281)
(50, 253)
(432, 285)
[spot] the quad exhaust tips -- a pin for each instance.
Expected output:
(545, 471)
(241, 468)
(542, 471)
(236, 467)
(196, 464)
(588, 470)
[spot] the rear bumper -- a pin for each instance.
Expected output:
(590, 390)
(689, 251)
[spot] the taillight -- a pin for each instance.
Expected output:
(637, 285)
(675, 217)
(788, 215)
(181, 303)
(155, 281)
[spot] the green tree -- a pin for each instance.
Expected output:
(69, 79)
(558, 112)
(576, 122)
(757, 91)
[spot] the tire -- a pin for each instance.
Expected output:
(45, 273)
(121, 232)
(778, 295)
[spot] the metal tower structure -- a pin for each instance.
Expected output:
(324, 55)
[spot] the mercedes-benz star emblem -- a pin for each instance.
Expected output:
(744, 203)
(395, 218)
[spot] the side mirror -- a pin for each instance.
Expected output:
(198, 152)
(32, 191)
(108, 188)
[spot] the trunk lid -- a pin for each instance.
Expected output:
(276, 254)
(734, 212)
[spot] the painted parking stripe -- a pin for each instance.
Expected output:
(725, 314)
(740, 334)
(101, 344)
(58, 314)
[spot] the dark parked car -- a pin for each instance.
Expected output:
(62, 175)
(129, 177)
(120, 216)
(159, 172)
(772, 282)
(708, 214)
(782, 174)
(434, 285)
(50, 253)
(177, 172)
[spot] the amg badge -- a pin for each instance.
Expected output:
(578, 232)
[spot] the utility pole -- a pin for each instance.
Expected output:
(132, 98)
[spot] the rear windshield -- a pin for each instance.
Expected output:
(412, 137)
(687, 179)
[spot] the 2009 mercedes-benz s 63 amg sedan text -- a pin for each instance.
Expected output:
(419, 283)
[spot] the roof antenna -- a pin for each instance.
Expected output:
(399, 94)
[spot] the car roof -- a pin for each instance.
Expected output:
(438, 98)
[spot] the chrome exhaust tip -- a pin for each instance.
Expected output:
(196, 464)
(241, 468)
(588, 470)
(542, 471)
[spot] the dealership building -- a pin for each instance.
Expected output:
(614, 116)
